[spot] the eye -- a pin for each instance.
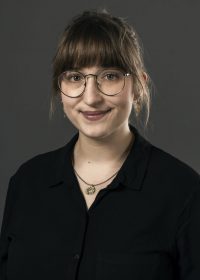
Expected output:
(112, 76)
(73, 77)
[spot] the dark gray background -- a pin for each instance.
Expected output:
(29, 31)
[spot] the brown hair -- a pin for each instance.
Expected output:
(98, 38)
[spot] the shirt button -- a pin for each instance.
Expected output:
(76, 256)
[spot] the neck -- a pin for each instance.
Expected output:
(112, 149)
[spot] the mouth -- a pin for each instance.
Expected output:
(95, 115)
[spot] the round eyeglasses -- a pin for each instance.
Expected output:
(109, 82)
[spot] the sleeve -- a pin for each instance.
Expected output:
(4, 236)
(188, 239)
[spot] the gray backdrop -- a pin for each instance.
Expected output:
(29, 31)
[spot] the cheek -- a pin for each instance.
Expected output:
(125, 101)
(127, 104)
(68, 107)
(68, 103)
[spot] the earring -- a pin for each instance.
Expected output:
(136, 105)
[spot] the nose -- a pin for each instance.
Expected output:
(92, 95)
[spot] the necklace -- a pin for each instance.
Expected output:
(91, 189)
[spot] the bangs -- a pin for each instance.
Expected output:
(92, 44)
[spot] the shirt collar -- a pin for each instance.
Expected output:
(131, 174)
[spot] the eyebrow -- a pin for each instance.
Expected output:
(81, 70)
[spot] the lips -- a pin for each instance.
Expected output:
(95, 113)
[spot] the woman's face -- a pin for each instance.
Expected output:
(115, 109)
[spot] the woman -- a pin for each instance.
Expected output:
(109, 204)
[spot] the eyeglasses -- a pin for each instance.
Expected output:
(109, 82)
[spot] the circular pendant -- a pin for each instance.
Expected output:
(90, 190)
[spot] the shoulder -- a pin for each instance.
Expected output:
(45, 168)
(171, 182)
(32, 175)
(43, 160)
(168, 168)
(40, 169)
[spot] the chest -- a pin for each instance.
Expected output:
(89, 198)
(125, 234)
(101, 179)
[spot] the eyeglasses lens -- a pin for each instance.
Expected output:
(109, 82)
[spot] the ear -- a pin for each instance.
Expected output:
(60, 97)
(145, 76)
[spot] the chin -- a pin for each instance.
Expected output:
(94, 132)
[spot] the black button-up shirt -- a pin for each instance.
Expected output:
(144, 225)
